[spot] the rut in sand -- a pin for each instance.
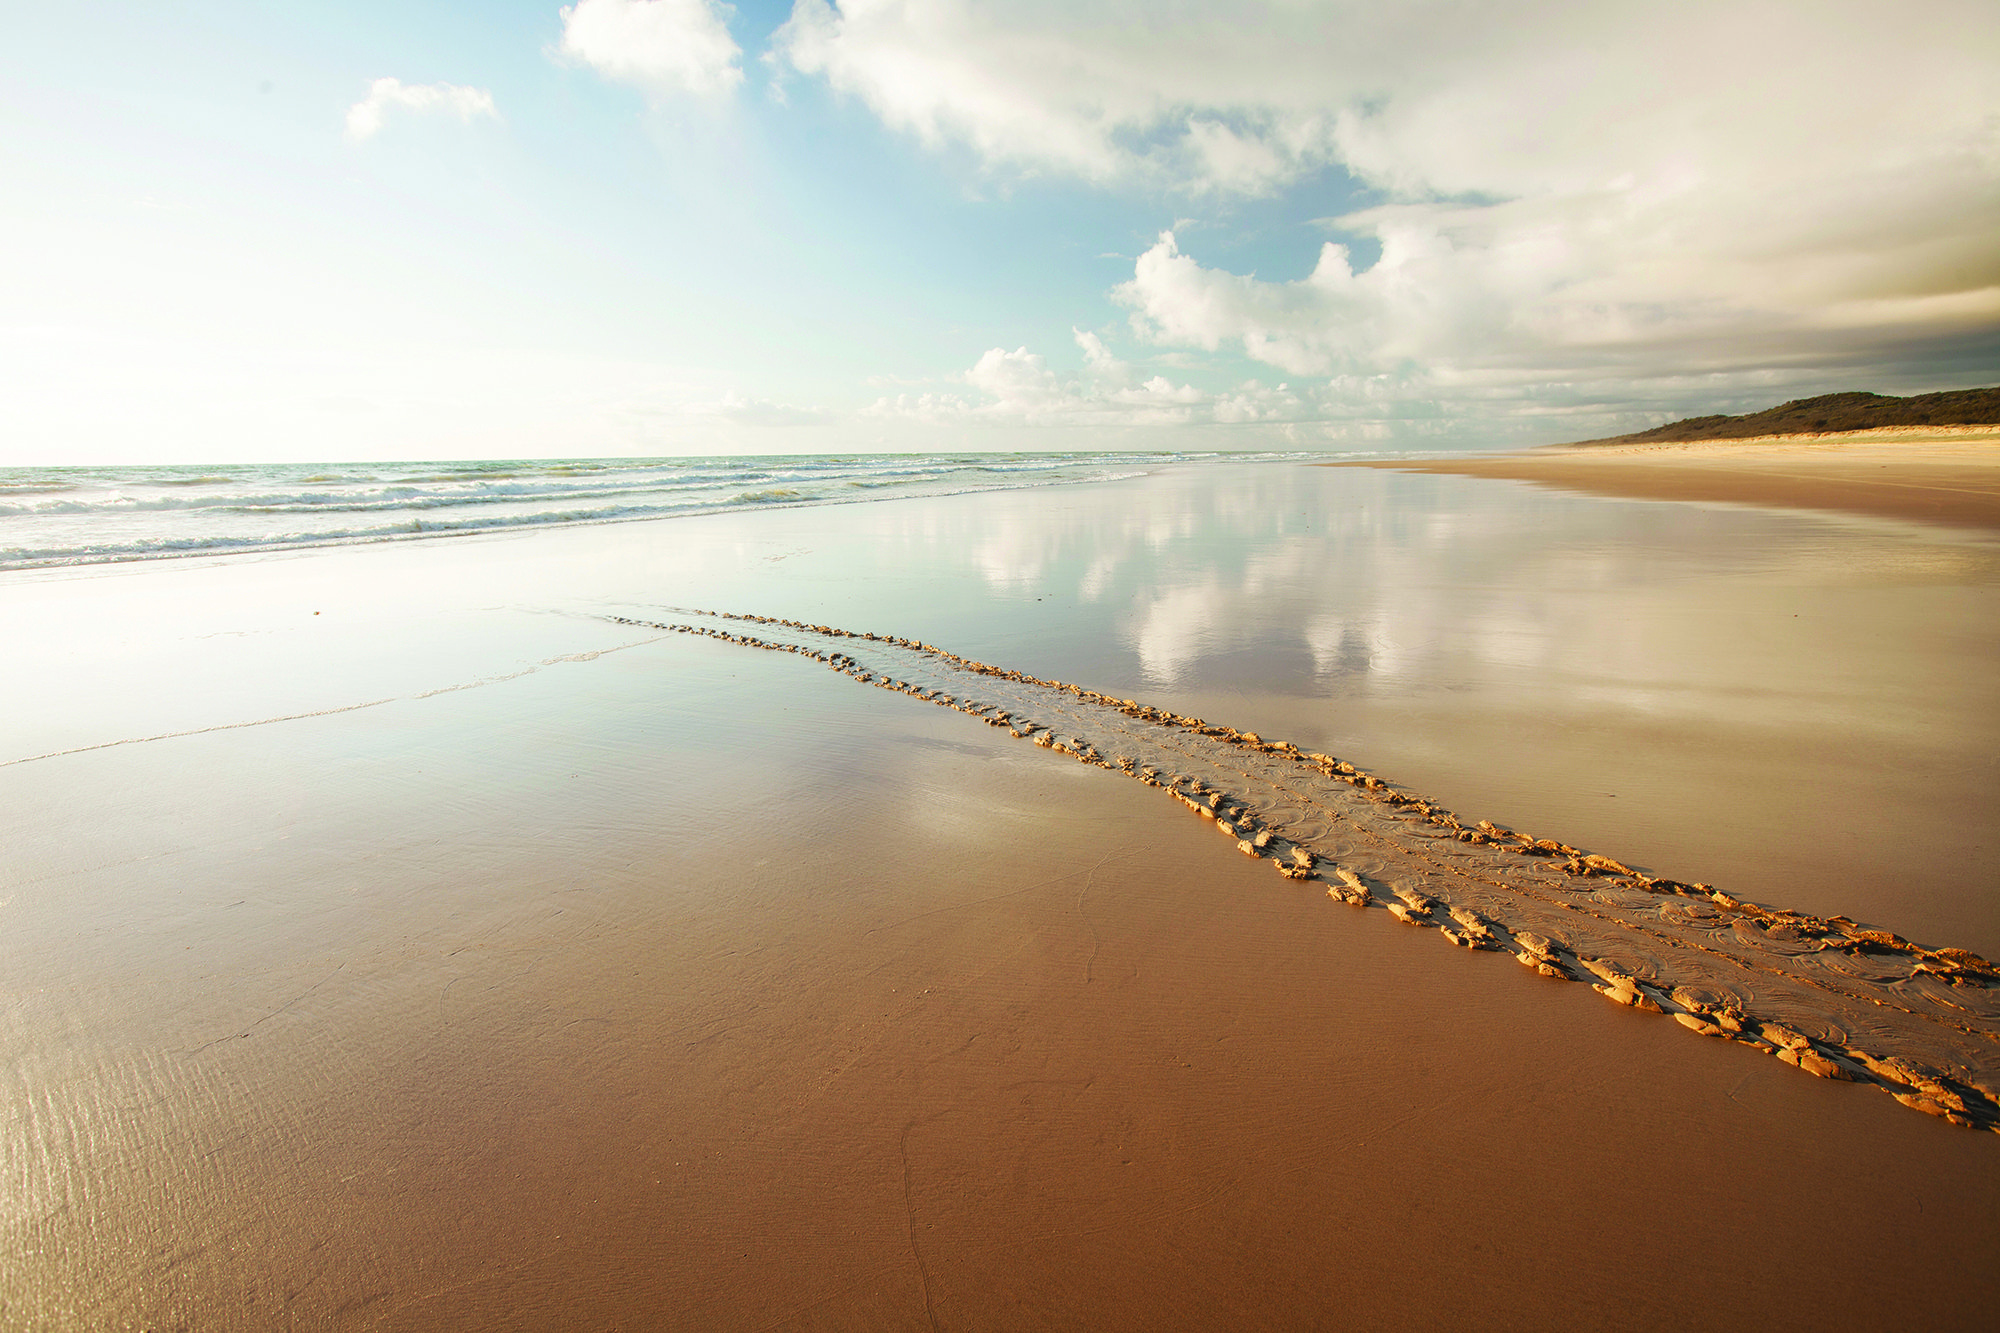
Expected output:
(1826, 995)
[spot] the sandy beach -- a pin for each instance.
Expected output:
(435, 936)
(1939, 474)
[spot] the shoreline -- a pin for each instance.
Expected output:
(483, 951)
(1939, 474)
(123, 524)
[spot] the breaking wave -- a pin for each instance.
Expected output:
(72, 516)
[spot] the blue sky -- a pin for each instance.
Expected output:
(673, 226)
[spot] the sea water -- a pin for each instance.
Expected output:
(85, 515)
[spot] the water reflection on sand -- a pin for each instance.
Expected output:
(1799, 706)
(529, 982)
(1701, 685)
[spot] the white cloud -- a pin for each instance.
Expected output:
(1242, 162)
(1018, 388)
(1019, 381)
(1097, 358)
(366, 117)
(663, 46)
(1298, 326)
(946, 71)
(1560, 192)
(1106, 89)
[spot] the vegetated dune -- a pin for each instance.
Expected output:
(1830, 413)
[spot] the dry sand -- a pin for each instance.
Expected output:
(1941, 474)
(647, 980)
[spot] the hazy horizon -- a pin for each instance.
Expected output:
(668, 228)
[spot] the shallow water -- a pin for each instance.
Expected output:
(1796, 708)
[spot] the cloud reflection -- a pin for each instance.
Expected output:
(1326, 582)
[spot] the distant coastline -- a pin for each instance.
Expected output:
(1858, 415)
(1872, 435)
(1934, 458)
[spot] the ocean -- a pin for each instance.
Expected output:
(87, 515)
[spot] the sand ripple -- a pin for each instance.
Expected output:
(1823, 994)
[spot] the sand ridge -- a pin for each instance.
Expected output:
(1829, 996)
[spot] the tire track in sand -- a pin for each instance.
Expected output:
(1826, 995)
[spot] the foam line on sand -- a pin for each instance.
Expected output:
(1826, 995)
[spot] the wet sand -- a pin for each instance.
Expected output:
(651, 979)
(1940, 475)
(1831, 996)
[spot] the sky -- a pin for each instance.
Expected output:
(299, 231)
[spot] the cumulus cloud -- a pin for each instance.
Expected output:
(1098, 358)
(1019, 388)
(1020, 381)
(1104, 88)
(1558, 191)
(663, 46)
(1303, 327)
(366, 117)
